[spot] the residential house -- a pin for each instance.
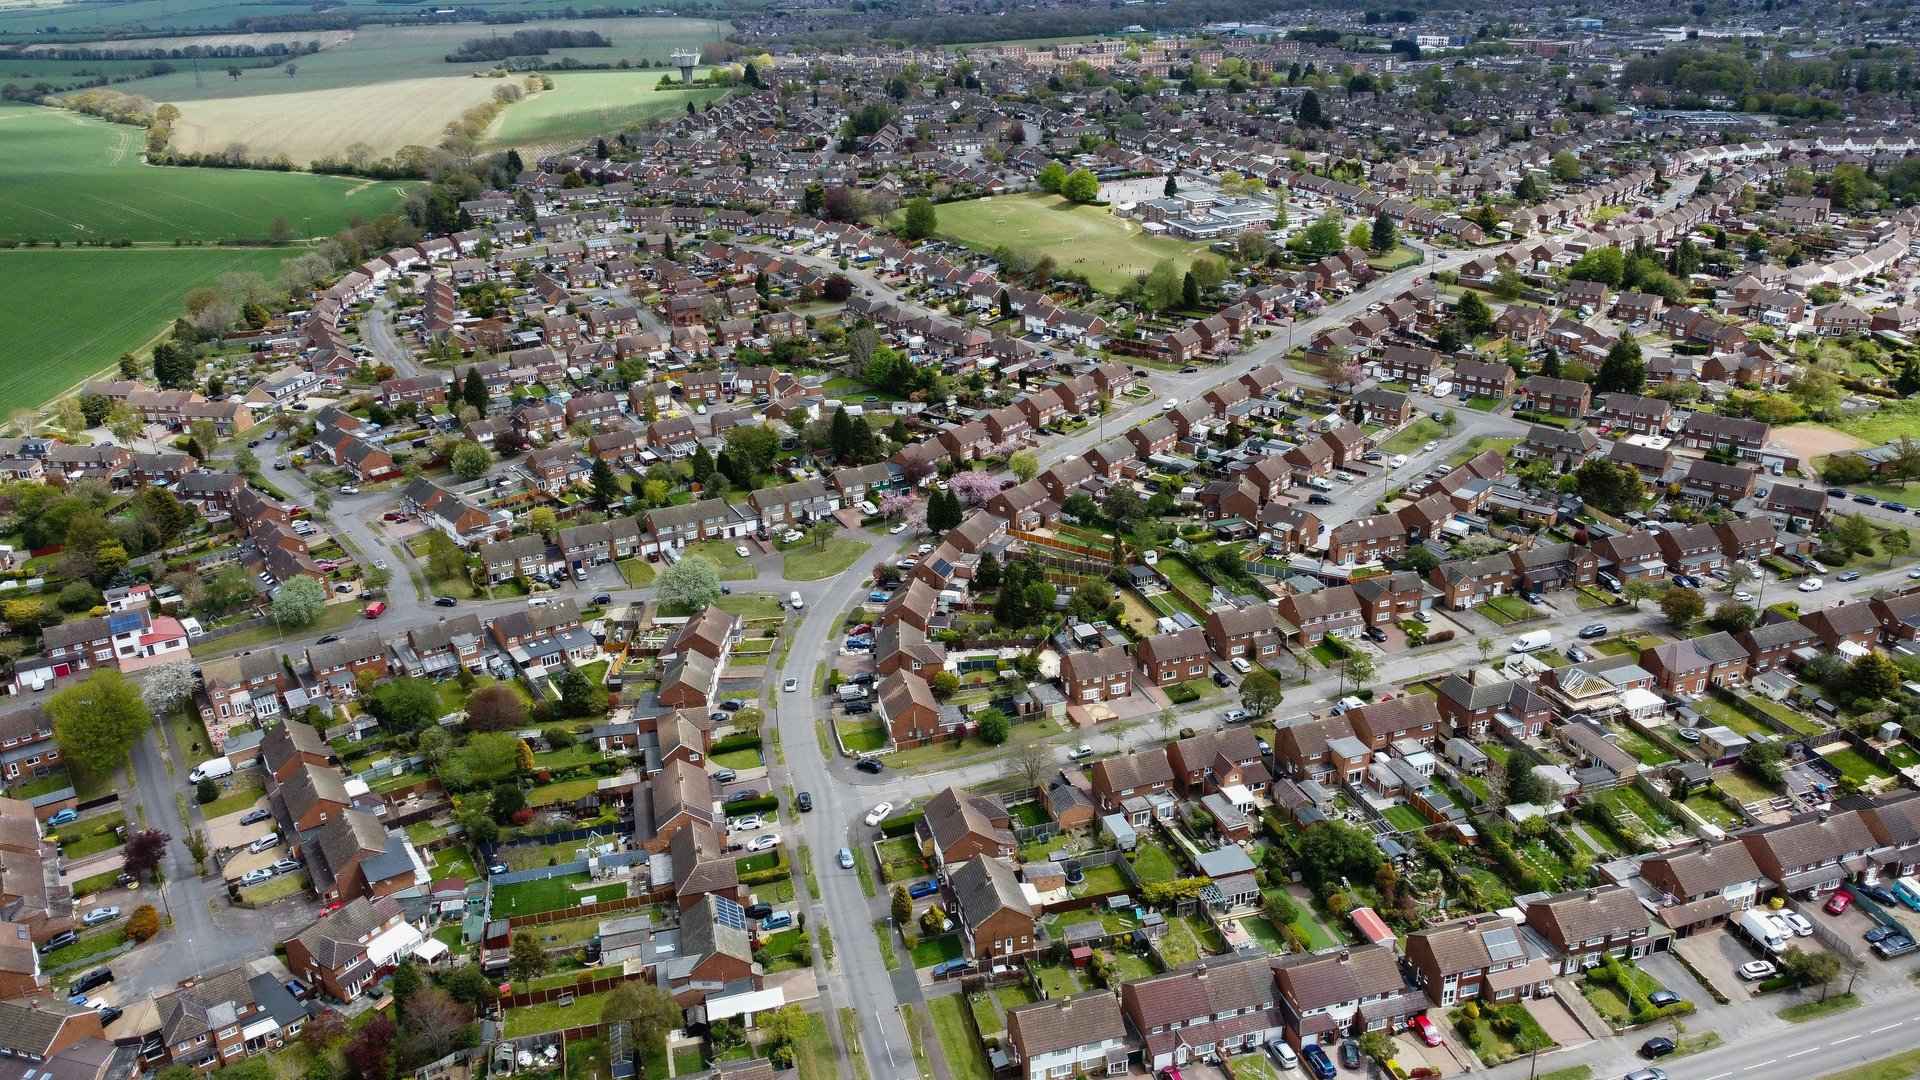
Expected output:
(1584, 926)
(993, 912)
(958, 826)
(1481, 958)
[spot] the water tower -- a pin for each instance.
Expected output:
(688, 59)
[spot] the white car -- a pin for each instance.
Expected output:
(790, 686)
(1430, 447)
(1170, 404)
(764, 842)
(1081, 752)
(897, 528)
(1241, 665)
(1812, 584)
(925, 549)
(1797, 922)
(255, 877)
(793, 536)
(751, 821)
(879, 813)
(1396, 461)
(741, 550)
(1743, 596)
(1755, 970)
(349, 489)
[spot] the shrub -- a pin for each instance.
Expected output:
(753, 806)
(143, 923)
(735, 742)
(900, 825)
(1182, 694)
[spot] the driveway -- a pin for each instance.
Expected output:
(227, 832)
(1675, 977)
(1558, 1021)
(1718, 955)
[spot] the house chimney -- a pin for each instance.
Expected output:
(1200, 973)
(1593, 894)
(1473, 921)
(1345, 956)
(1066, 1004)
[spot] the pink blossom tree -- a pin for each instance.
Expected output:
(973, 487)
(897, 506)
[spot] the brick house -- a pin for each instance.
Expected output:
(960, 826)
(1586, 925)
(1555, 397)
(1093, 675)
(907, 707)
(348, 950)
(1479, 958)
(1165, 659)
(993, 911)
(1131, 775)
(1248, 632)
(1314, 615)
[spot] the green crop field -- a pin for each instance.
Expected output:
(584, 104)
(73, 177)
(389, 87)
(81, 20)
(71, 313)
(1108, 249)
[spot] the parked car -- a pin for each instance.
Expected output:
(1866, 500)
(58, 941)
(879, 813)
(1318, 1063)
(1838, 903)
(444, 601)
(1812, 584)
(758, 911)
(1593, 630)
(92, 980)
(743, 824)
(109, 1014)
(923, 888)
(869, 765)
(255, 817)
(1801, 927)
(1425, 1028)
(764, 842)
(1350, 1053)
(1080, 753)
(949, 967)
(64, 817)
(1220, 679)
(100, 915)
(285, 866)
(1877, 893)
(1755, 970)
(1847, 575)
(1376, 634)
(1894, 945)
(1648, 1073)
(271, 840)
(255, 877)
(1662, 998)
(1880, 932)
(804, 801)
(846, 858)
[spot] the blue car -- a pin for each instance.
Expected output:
(923, 888)
(949, 967)
(1318, 1062)
(877, 597)
(65, 817)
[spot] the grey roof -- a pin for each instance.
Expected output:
(983, 886)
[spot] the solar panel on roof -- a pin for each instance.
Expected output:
(1503, 944)
(729, 913)
(125, 622)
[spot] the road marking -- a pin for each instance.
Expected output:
(1717, 1076)
(1878, 1030)
(1769, 1061)
(1848, 1039)
(1797, 1053)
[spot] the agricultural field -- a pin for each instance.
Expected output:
(1090, 240)
(584, 104)
(76, 178)
(391, 86)
(71, 313)
(86, 19)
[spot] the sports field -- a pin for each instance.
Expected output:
(71, 313)
(584, 104)
(72, 177)
(1108, 249)
(386, 86)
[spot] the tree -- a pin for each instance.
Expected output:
(943, 512)
(1872, 677)
(1337, 850)
(1565, 166)
(1260, 693)
(993, 725)
(298, 603)
(1853, 533)
(1081, 186)
(475, 391)
(1682, 606)
(205, 791)
(470, 460)
(1171, 188)
(652, 1012)
(606, 486)
(1384, 234)
(1472, 315)
(98, 720)
(581, 696)
(1897, 542)
(1024, 465)
(1522, 785)
(527, 959)
(902, 910)
(1623, 371)
(1052, 177)
(1320, 239)
(369, 1050)
(435, 1024)
(1810, 969)
(169, 684)
(406, 703)
(751, 449)
(1605, 265)
(921, 220)
(1031, 763)
(1356, 669)
(1638, 589)
(125, 423)
(496, 708)
(1309, 114)
(144, 923)
(143, 851)
(690, 585)
(1732, 616)
(1611, 487)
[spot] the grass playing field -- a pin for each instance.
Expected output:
(71, 313)
(391, 86)
(1090, 240)
(73, 178)
(583, 104)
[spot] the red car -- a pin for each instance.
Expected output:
(1837, 904)
(1428, 1033)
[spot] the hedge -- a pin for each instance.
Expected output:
(900, 825)
(735, 742)
(1182, 694)
(762, 877)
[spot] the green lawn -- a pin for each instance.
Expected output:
(1414, 436)
(1813, 1010)
(1645, 750)
(966, 1058)
(1479, 444)
(1901, 1066)
(733, 567)
(933, 950)
(1854, 766)
(813, 1054)
(1091, 240)
(533, 1019)
(1508, 610)
(637, 572)
(1252, 1066)
(1406, 818)
(333, 618)
(861, 736)
(811, 563)
(248, 786)
(1152, 863)
(752, 606)
(533, 897)
(89, 945)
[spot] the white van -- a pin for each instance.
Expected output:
(210, 769)
(539, 601)
(794, 599)
(1538, 639)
